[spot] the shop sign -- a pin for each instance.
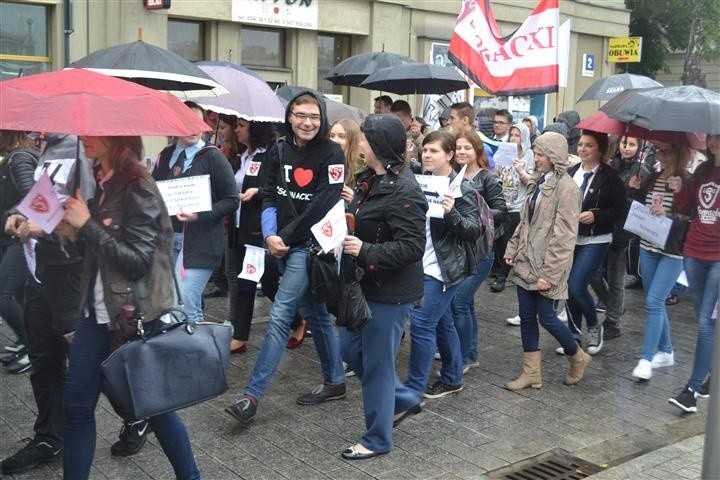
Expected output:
(277, 13)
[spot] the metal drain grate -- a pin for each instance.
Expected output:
(553, 465)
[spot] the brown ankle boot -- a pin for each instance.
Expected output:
(530, 376)
(578, 364)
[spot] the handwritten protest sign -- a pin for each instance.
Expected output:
(189, 194)
(653, 228)
(434, 187)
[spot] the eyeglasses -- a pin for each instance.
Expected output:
(498, 122)
(313, 117)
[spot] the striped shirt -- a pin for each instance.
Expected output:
(659, 195)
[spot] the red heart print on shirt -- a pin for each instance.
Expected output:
(39, 204)
(250, 269)
(327, 228)
(302, 176)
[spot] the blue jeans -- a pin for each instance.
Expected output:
(371, 354)
(191, 284)
(704, 279)
(658, 273)
(534, 307)
(587, 259)
(82, 388)
(432, 325)
(463, 309)
(293, 296)
(14, 273)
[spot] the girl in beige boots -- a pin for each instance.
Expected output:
(541, 252)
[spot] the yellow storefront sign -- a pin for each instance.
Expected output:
(624, 49)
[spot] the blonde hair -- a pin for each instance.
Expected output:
(351, 148)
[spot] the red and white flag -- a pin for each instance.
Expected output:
(523, 63)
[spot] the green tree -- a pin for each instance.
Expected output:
(690, 26)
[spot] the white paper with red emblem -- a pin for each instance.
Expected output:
(253, 263)
(332, 229)
(42, 205)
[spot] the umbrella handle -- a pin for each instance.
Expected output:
(350, 221)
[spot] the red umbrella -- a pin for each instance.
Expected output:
(600, 122)
(82, 102)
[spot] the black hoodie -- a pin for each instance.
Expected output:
(389, 218)
(303, 183)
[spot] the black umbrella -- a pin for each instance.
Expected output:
(685, 108)
(416, 78)
(352, 71)
(608, 87)
(153, 67)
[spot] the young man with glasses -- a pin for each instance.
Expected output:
(502, 121)
(303, 180)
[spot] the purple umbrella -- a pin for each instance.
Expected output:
(249, 98)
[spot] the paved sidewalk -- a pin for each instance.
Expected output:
(606, 419)
(682, 460)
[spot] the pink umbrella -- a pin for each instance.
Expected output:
(82, 102)
(600, 122)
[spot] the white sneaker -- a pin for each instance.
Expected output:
(563, 316)
(560, 350)
(643, 371)
(663, 359)
(513, 320)
(437, 356)
(595, 340)
(470, 365)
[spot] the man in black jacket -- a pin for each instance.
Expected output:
(198, 245)
(303, 181)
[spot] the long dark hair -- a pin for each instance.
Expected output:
(126, 153)
(261, 134)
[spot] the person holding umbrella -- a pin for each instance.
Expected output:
(702, 266)
(127, 237)
(388, 243)
(660, 266)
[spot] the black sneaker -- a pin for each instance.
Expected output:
(20, 365)
(439, 389)
(244, 410)
(15, 347)
(30, 456)
(600, 307)
(611, 332)
(686, 400)
(498, 285)
(131, 439)
(323, 393)
(704, 390)
(12, 358)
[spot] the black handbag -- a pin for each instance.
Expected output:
(353, 310)
(168, 367)
(324, 280)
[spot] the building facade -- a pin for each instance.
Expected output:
(294, 41)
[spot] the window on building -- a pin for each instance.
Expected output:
(332, 49)
(24, 45)
(187, 39)
(262, 47)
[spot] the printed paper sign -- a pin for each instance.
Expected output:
(189, 194)
(42, 205)
(253, 264)
(505, 155)
(434, 187)
(332, 229)
(30, 258)
(454, 187)
(253, 169)
(653, 228)
(336, 174)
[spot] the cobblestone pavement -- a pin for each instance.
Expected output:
(607, 419)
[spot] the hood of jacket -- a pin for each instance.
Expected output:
(555, 147)
(557, 127)
(570, 118)
(324, 124)
(386, 136)
(524, 137)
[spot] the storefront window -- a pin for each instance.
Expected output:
(186, 39)
(332, 49)
(262, 47)
(23, 39)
